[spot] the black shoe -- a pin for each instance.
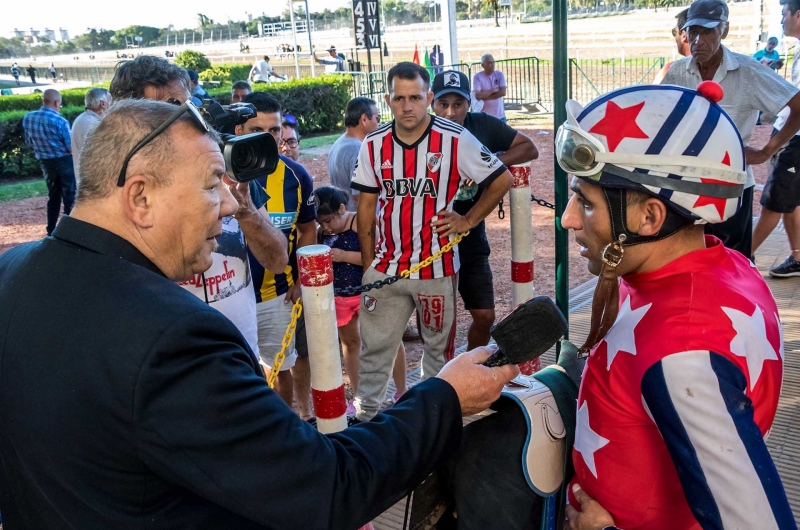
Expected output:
(790, 267)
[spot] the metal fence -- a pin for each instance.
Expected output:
(529, 80)
(92, 74)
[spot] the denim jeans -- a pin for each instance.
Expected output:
(59, 175)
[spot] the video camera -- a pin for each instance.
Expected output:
(246, 157)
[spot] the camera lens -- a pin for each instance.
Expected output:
(246, 158)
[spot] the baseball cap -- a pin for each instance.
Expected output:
(451, 82)
(331, 49)
(706, 13)
(193, 76)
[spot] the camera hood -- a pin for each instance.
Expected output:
(250, 156)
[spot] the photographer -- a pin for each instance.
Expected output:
(291, 209)
(226, 285)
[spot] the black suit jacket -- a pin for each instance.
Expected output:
(125, 402)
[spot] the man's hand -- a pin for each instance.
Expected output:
(241, 192)
(447, 223)
(592, 517)
(477, 386)
(292, 294)
(753, 157)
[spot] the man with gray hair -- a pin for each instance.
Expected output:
(747, 88)
(489, 87)
(226, 285)
(97, 101)
(361, 117)
(158, 413)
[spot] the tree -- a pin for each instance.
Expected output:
(496, 9)
(192, 60)
(148, 34)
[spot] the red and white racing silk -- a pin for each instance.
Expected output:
(414, 182)
(676, 401)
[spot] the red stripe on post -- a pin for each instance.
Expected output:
(316, 270)
(521, 272)
(522, 176)
(329, 404)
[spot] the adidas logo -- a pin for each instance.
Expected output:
(790, 170)
(386, 165)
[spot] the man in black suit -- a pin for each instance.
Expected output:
(127, 402)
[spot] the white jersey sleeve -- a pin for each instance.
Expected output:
(476, 162)
(697, 400)
(364, 177)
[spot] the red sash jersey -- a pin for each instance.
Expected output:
(676, 401)
(414, 182)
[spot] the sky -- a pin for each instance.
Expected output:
(78, 15)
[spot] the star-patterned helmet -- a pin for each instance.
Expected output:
(671, 142)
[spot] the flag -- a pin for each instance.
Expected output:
(415, 60)
(427, 62)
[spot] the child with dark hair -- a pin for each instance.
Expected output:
(338, 230)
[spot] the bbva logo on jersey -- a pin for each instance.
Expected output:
(414, 187)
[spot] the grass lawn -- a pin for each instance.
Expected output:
(22, 190)
(316, 141)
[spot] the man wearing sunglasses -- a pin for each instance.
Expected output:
(361, 117)
(681, 42)
(226, 286)
(748, 87)
(140, 406)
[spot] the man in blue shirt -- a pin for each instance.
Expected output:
(769, 56)
(47, 133)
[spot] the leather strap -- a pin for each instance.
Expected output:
(605, 302)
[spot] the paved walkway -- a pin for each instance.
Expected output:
(784, 439)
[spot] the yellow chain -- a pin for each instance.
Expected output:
(427, 261)
(297, 310)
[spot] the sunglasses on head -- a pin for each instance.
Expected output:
(180, 111)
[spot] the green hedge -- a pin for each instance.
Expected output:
(318, 103)
(69, 97)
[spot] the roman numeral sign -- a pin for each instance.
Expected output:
(366, 23)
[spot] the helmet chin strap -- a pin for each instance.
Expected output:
(605, 302)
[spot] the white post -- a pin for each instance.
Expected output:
(522, 245)
(294, 34)
(449, 32)
(327, 385)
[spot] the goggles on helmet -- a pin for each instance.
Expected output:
(583, 155)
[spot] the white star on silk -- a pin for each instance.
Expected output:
(780, 335)
(751, 341)
(620, 337)
(587, 442)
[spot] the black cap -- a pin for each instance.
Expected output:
(193, 75)
(706, 13)
(451, 82)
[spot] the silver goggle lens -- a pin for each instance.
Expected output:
(574, 153)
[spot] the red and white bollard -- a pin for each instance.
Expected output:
(327, 385)
(522, 245)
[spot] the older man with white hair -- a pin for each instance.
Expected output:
(97, 101)
(490, 88)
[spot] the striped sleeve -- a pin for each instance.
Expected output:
(364, 178)
(697, 400)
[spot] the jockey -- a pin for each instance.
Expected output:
(685, 351)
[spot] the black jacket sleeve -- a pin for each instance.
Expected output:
(207, 420)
